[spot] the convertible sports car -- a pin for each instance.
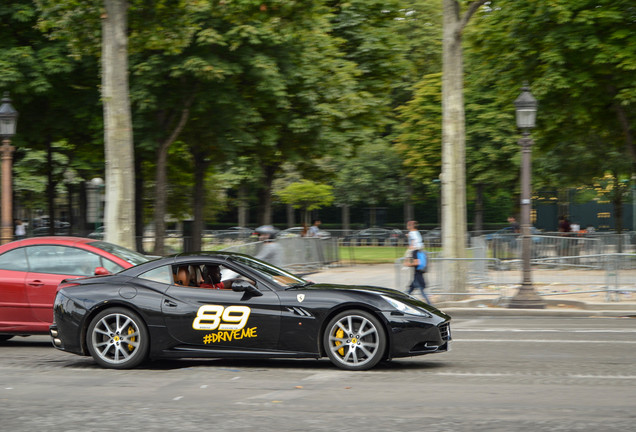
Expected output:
(235, 306)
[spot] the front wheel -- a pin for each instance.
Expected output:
(354, 340)
(117, 338)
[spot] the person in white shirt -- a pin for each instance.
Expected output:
(415, 238)
(314, 229)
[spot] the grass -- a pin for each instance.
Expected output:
(371, 254)
(374, 254)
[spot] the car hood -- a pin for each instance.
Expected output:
(375, 290)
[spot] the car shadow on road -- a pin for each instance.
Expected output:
(237, 365)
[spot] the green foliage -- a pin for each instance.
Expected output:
(582, 72)
(373, 176)
(307, 195)
(419, 135)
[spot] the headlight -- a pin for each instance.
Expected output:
(404, 308)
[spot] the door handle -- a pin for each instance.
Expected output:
(169, 303)
(36, 283)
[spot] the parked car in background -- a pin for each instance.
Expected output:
(297, 232)
(60, 228)
(32, 268)
(98, 233)
(432, 237)
(508, 235)
(376, 236)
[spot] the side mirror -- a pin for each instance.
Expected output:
(101, 271)
(247, 287)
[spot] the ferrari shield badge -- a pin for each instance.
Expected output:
(300, 297)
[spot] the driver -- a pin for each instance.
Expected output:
(212, 278)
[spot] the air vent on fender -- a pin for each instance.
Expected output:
(299, 311)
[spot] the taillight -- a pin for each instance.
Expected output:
(65, 284)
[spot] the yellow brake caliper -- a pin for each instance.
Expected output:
(132, 339)
(340, 335)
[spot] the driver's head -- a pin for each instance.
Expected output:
(212, 274)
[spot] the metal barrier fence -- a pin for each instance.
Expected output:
(298, 254)
(508, 246)
(611, 275)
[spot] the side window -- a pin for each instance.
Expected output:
(14, 260)
(111, 266)
(62, 260)
(162, 275)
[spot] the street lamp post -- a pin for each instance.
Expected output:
(8, 123)
(526, 108)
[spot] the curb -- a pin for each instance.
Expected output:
(577, 313)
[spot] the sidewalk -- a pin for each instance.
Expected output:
(482, 302)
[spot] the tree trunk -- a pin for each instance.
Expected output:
(290, 216)
(454, 143)
(243, 208)
(409, 213)
(50, 188)
(70, 190)
(479, 209)
(118, 140)
(200, 168)
(139, 203)
(453, 151)
(82, 224)
(346, 218)
(160, 198)
(265, 196)
(161, 179)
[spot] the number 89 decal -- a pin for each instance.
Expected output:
(213, 317)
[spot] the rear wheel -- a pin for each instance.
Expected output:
(4, 338)
(117, 338)
(354, 340)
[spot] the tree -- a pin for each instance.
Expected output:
(43, 77)
(581, 70)
(119, 215)
(307, 195)
(156, 27)
(453, 140)
(372, 176)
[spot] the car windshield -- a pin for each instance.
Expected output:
(278, 276)
(128, 255)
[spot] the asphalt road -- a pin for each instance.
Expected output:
(502, 374)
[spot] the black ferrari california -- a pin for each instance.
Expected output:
(235, 306)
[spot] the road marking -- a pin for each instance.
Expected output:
(544, 341)
(498, 374)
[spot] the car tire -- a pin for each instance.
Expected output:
(354, 340)
(117, 338)
(4, 338)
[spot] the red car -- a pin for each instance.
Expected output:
(31, 269)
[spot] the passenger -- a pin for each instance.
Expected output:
(182, 276)
(196, 278)
(212, 278)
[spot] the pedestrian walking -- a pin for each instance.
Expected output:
(20, 231)
(414, 236)
(314, 229)
(419, 262)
